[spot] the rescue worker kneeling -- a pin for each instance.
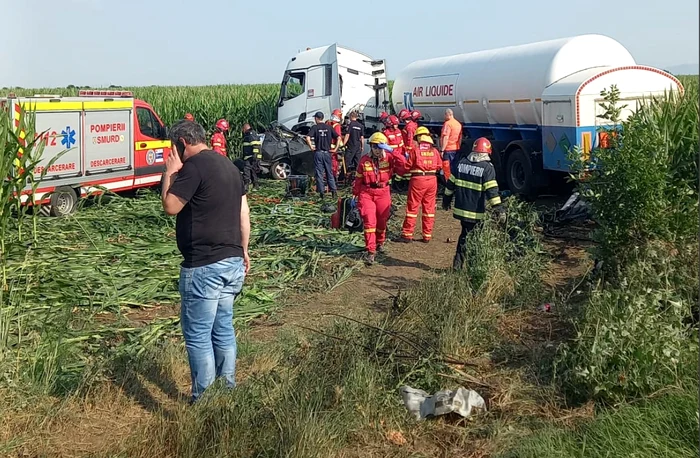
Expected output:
(474, 184)
(371, 186)
(423, 164)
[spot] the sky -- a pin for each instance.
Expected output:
(54, 43)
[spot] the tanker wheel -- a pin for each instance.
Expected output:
(519, 174)
(63, 202)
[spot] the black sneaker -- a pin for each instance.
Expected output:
(380, 248)
(369, 259)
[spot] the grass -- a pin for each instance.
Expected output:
(84, 349)
(665, 426)
(73, 300)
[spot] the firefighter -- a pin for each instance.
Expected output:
(371, 187)
(423, 164)
(218, 140)
(383, 117)
(409, 130)
(396, 141)
(336, 143)
(252, 153)
(474, 184)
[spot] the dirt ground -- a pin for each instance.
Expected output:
(83, 427)
(371, 288)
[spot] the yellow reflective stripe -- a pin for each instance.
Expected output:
(427, 236)
(452, 178)
(494, 200)
(490, 184)
(108, 105)
(252, 143)
(468, 214)
(429, 215)
(467, 184)
(411, 215)
(152, 144)
(53, 106)
(449, 192)
(370, 231)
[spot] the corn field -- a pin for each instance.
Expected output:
(238, 104)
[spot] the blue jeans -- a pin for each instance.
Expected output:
(206, 316)
(323, 164)
(450, 156)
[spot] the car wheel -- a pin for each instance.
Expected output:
(281, 170)
(63, 202)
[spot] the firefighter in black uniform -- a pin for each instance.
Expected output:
(473, 181)
(252, 153)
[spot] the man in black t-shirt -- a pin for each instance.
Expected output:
(206, 192)
(322, 134)
(354, 143)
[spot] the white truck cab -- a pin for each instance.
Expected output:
(331, 77)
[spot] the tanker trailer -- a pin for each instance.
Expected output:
(535, 102)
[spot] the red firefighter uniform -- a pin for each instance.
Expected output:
(334, 122)
(393, 134)
(218, 143)
(218, 140)
(409, 131)
(371, 185)
(423, 164)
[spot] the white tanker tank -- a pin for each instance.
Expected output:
(534, 101)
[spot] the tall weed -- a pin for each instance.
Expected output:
(636, 334)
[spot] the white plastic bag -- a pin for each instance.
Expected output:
(422, 405)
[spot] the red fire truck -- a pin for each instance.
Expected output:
(111, 139)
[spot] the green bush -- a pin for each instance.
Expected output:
(636, 334)
(635, 339)
(645, 186)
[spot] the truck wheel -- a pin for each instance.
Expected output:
(519, 174)
(63, 202)
(281, 170)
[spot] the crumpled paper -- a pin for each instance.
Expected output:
(423, 405)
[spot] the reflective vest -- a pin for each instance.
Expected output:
(474, 186)
(424, 159)
(252, 146)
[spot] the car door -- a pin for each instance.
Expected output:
(151, 146)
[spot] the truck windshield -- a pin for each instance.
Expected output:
(293, 85)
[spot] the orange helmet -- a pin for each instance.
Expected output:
(416, 115)
(482, 145)
(393, 120)
(337, 113)
(189, 117)
(404, 114)
(222, 124)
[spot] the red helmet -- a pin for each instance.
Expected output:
(482, 145)
(222, 124)
(404, 114)
(337, 113)
(393, 120)
(416, 115)
(189, 117)
(383, 116)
